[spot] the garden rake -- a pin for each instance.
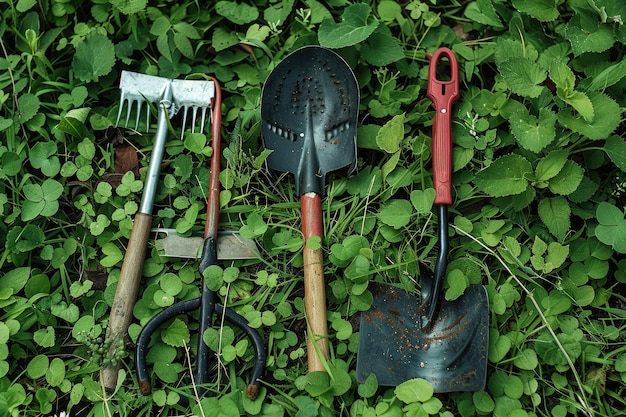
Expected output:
(172, 96)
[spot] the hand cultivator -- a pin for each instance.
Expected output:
(207, 302)
(172, 96)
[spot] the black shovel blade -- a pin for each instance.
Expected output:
(451, 354)
(309, 111)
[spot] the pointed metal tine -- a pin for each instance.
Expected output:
(203, 119)
(193, 123)
(139, 106)
(147, 118)
(182, 132)
(128, 110)
(119, 111)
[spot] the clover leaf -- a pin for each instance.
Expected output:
(41, 199)
(612, 228)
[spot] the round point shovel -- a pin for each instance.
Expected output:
(309, 111)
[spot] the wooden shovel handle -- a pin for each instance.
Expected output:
(314, 286)
(126, 292)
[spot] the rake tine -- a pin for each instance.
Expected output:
(182, 132)
(147, 118)
(193, 123)
(139, 106)
(128, 110)
(203, 119)
(119, 112)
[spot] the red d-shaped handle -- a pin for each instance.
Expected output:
(443, 95)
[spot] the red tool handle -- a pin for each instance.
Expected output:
(314, 285)
(443, 94)
(213, 198)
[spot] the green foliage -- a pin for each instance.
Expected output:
(538, 215)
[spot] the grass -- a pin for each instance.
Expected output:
(538, 213)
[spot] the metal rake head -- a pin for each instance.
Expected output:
(194, 95)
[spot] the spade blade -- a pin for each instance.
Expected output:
(451, 354)
(309, 110)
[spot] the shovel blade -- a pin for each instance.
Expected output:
(452, 354)
(309, 111)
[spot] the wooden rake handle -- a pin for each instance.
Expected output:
(314, 286)
(126, 292)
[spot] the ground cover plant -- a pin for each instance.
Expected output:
(538, 214)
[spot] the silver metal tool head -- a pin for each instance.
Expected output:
(139, 88)
(230, 245)
(194, 95)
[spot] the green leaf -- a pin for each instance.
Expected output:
(550, 165)
(585, 35)
(28, 105)
(66, 312)
(41, 200)
(581, 102)
(542, 10)
(612, 228)
(25, 5)
(112, 255)
(255, 226)
(130, 6)
(10, 164)
(555, 214)
(168, 371)
(94, 58)
(551, 353)
(483, 402)
(37, 366)
(5, 123)
(15, 279)
(523, 76)
(567, 180)
(370, 386)
(73, 126)
(482, 11)
(615, 148)
(176, 334)
(382, 48)
(56, 372)
(45, 337)
(532, 133)
(183, 44)
(526, 360)
(508, 175)
(186, 29)
(458, 283)
(396, 213)
(423, 200)
(278, 13)
(507, 48)
(414, 390)
(357, 24)
(223, 39)
(499, 346)
(611, 75)
(607, 117)
(238, 13)
(391, 134)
